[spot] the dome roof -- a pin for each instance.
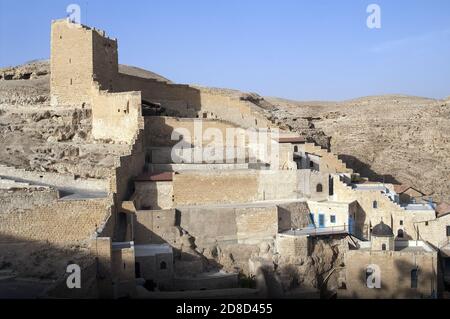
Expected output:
(382, 230)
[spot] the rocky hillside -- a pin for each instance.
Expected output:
(37, 137)
(400, 139)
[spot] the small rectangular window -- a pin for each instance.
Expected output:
(333, 219)
(448, 231)
(414, 278)
(401, 223)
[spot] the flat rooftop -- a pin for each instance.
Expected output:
(418, 207)
(152, 250)
(266, 203)
(404, 246)
(311, 231)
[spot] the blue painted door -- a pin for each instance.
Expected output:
(321, 220)
(350, 225)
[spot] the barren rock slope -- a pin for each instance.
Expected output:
(402, 139)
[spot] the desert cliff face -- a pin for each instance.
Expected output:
(400, 139)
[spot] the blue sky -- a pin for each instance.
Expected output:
(304, 50)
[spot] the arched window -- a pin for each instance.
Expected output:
(414, 278)
(163, 265)
(295, 148)
(400, 233)
(319, 188)
(375, 204)
(383, 247)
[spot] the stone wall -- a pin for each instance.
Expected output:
(25, 198)
(61, 222)
(197, 188)
(158, 130)
(217, 105)
(155, 227)
(220, 228)
(340, 210)
(177, 99)
(151, 270)
(308, 184)
(328, 162)
(60, 181)
(435, 231)
(71, 63)
(292, 246)
(256, 224)
(105, 61)
(153, 195)
(386, 210)
(395, 270)
(277, 184)
(116, 116)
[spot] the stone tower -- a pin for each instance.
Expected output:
(79, 56)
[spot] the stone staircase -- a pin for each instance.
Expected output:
(384, 197)
(330, 158)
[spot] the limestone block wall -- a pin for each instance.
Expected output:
(71, 63)
(151, 270)
(127, 169)
(221, 225)
(25, 198)
(309, 184)
(277, 184)
(285, 158)
(340, 210)
(328, 162)
(61, 222)
(55, 180)
(155, 227)
(256, 224)
(366, 198)
(116, 116)
(230, 225)
(409, 222)
(391, 213)
(178, 100)
(197, 188)
(292, 246)
(243, 186)
(378, 242)
(101, 248)
(435, 231)
(105, 61)
(198, 155)
(395, 270)
(241, 113)
(294, 215)
(159, 129)
(153, 195)
(122, 264)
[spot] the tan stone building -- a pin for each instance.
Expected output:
(385, 268)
